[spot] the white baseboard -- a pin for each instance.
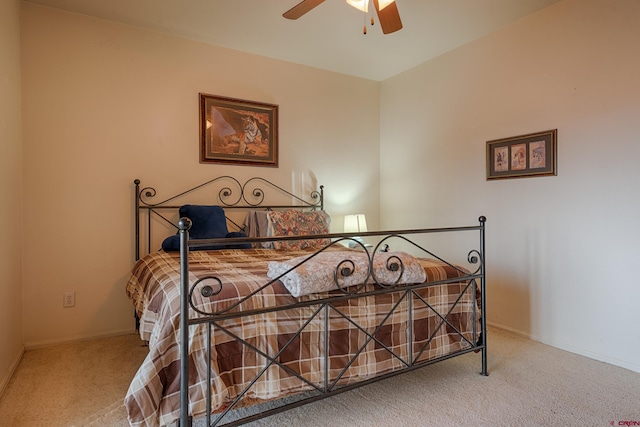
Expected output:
(12, 370)
(44, 344)
(571, 349)
(511, 330)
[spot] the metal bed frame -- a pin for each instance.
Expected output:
(250, 195)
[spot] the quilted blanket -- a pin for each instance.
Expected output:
(369, 335)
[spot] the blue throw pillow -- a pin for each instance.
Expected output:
(238, 245)
(207, 222)
(172, 243)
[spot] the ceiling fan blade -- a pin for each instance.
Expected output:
(301, 8)
(389, 17)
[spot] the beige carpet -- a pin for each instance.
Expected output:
(80, 384)
(530, 384)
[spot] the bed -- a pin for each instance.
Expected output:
(256, 323)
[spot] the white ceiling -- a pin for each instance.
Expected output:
(329, 37)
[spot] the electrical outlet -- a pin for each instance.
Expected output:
(69, 299)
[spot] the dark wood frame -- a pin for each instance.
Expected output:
(533, 154)
(248, 131)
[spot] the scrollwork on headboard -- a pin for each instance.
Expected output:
(231, 194)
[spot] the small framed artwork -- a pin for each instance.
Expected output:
(235, 131)
(534, 154)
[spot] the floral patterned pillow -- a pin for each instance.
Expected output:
(298, 223)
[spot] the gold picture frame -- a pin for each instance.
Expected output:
(236, 131)
(533, 154)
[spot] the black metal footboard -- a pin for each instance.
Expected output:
(412, 298)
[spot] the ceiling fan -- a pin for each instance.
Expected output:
(386, 9)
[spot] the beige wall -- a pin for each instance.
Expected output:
(561, 251)
(108, 103)
(10, 191)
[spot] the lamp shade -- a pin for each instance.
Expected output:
(356, 223)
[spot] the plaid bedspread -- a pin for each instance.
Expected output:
(368, 335)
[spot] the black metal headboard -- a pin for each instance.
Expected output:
(228, 192)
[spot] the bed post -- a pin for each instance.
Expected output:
(136, 202)
(483, 283)
(183, 226)
(137, 215)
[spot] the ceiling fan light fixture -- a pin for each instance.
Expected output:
(362, 5)
(386, 10)
(384, 3)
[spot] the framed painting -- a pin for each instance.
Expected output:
(235, 131)
(534, 154)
